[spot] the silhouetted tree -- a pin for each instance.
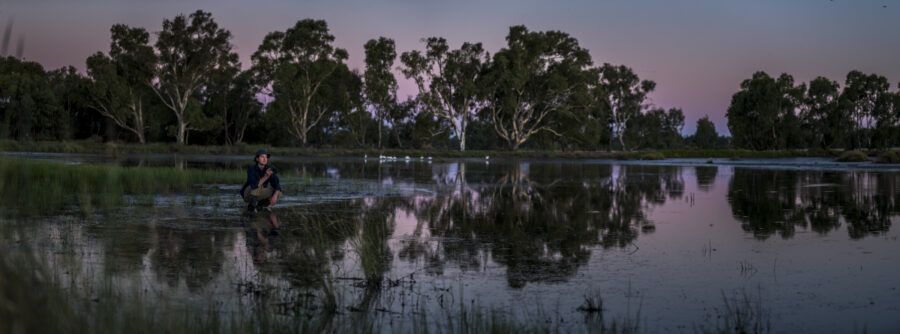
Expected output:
(446, 80)
(189, 51)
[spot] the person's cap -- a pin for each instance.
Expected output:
(261, 152)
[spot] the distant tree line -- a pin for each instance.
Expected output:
(540, 91)
(774, 113)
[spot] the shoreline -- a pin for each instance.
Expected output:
(118, 149)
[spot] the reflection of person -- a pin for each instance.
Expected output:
(262, 183)
(262, 234)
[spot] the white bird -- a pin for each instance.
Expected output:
(487, 157)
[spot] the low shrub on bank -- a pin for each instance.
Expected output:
(889, 157)
(652, 155)
(853, 156)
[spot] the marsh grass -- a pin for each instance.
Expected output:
(37, 187)
(889, 157)
(741, 313)
(853, 156)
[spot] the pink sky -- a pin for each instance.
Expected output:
(697, 51)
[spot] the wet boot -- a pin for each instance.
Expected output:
(254, 204)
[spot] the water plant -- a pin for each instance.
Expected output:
(889, 157)
(39, 187)
(853, 156)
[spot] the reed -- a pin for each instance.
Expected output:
(38, 187)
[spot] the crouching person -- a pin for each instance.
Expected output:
(262, 187)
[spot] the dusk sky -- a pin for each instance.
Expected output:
(698, 52)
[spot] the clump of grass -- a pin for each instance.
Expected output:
(889, 157)
(652, 155)
(27, 305)
(592, 305)
(742, 314)
(31, 187)
(853, 156)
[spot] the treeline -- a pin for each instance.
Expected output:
(774, 113)
(540, 91)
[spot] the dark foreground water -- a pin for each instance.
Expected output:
(803, 245)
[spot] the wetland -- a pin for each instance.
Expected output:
(162, 242)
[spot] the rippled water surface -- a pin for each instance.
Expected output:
(680, 245)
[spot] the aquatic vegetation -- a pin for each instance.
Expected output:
(741, 313)
(853, 156)
(35, 187)
(889, 157)
(653, 155)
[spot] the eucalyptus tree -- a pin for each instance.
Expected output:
(762, 115)
(231, 100)
(338, 95)
(447, 81)
(381, 86)
(862, 93)
(292, 65)
(121, 80)
(532, 80)
(706, 135)
(27, 104)
(400, 112)
(355, 118)
(623, 93)
(190, 51)
(821, 114)
(70, 89)
(673, 124)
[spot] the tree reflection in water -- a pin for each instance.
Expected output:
(769, 202)
(538, 220)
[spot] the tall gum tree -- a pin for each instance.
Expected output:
(821, 114)
(120, 89)
(861, 95)
(293, 64)
(189, 50)
(623, 94)
(531, 81)
(380, 84)
(763, 114)
(447, 81)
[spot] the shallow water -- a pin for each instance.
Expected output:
(676, 245)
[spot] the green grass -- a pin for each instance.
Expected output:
(853, 156)
(889, 157)
(33, 187)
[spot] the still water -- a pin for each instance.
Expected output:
(801, 245)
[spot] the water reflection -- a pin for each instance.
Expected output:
(349, 233)
(192, 256)
(261, 232)
(540, 221)
(777, 202)
(706, 176)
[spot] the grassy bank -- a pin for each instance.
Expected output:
(115, 149)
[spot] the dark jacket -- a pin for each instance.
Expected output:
(254, 174)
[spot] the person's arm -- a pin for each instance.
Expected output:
(265, 178)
